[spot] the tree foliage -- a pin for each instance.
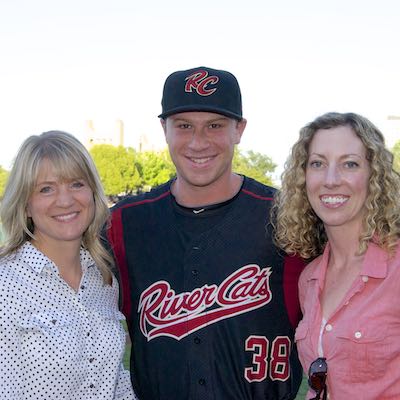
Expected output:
(396, 153)
(123, 170)
(157, 167)
(118, 167)
(254, 165)
(3, 179)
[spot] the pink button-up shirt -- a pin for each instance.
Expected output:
(361, 339)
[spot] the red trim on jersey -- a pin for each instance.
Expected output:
(138, 203)
(256, 195)
(293, 266)
(114, 236)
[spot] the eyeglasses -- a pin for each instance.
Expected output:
(317, 378)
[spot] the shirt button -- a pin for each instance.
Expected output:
(197, 340)
(328, 327)
(88, 334)
(358, 335)
(196, 248)
(91, 360)
(91, 386)
(195, 272)
(202, 381)
(365, 278)
(83, 287)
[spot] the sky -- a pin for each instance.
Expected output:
(64, 62)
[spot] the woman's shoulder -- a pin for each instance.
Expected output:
(10, 278)
(6, 265)
(13, 266)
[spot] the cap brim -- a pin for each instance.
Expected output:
(200, 108)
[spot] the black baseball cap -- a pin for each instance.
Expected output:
(202, 89)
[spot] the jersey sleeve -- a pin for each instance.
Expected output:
(293, 267)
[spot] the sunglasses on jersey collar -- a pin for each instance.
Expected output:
(317, 378)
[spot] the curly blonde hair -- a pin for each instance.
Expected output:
(298, 230)
(70, 160)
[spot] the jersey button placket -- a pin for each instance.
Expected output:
(198, 354)
(195, 272)
(200, 367)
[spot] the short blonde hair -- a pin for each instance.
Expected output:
(298, 230)
(70, 160)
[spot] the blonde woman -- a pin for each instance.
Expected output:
(340, 205)
(60, 328)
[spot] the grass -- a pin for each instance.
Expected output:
(301, 395)
(127, 356)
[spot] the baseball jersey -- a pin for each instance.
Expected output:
(211, 314)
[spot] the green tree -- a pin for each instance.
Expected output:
(396, 153)
(157, 168)
(3, 179)
(254, 165)
(118, 167)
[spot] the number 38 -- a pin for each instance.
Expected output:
(278, 364)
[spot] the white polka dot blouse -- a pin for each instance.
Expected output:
(56, 343)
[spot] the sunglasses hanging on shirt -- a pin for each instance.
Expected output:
(317, 378)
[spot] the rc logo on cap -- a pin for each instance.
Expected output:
(199, 81)
(202, 89)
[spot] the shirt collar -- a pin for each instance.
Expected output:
(375, 263)
(320, 272)
(38, 262)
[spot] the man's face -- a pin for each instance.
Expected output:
(201, 145)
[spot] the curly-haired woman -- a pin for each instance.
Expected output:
(340, 206)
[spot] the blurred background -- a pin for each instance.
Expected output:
(96, 68)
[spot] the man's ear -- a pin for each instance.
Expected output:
(240, 127)
(164, 125)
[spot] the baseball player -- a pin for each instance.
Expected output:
(211, 304)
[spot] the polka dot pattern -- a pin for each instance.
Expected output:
(56, 343)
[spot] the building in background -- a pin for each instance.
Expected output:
(104, 133)
(113, 133)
